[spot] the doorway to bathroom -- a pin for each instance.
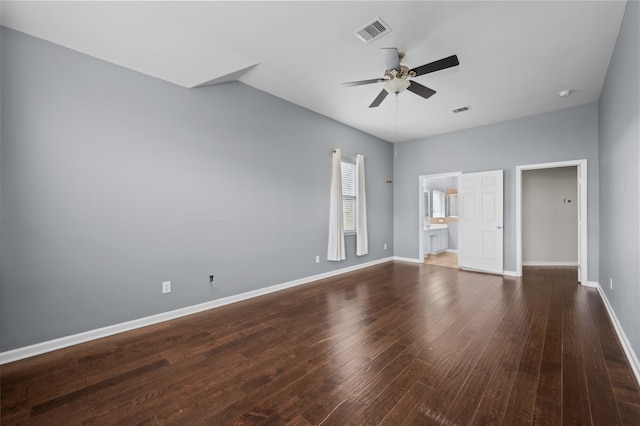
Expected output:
(438, 219)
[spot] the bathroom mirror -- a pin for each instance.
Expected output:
(452, 205)
(437, 204)
(427, 206)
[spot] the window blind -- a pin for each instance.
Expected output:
(349, 201)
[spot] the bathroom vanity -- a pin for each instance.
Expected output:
(436, 238)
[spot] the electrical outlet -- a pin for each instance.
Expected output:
(610, 283)
(212, 279)
(385, 246)
(317, 259)
(166, 287)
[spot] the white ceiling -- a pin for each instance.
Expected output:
(515, 56)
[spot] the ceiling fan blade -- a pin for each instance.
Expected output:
(444, 63)
(421, 90)
(361, 82)
(378, 100)
(391, 58)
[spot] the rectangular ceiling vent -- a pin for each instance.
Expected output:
(372, 31)
(463, 109)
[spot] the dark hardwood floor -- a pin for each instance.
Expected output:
(392, 344)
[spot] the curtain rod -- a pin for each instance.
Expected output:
(348, 155)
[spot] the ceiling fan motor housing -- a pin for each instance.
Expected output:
(402, 73)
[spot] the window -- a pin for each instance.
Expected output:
(349, 201)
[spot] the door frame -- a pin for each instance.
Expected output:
(582, 213)
(421, 207)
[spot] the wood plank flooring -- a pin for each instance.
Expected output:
(392, 344)
(446, 258)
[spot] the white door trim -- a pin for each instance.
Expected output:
(582, 212)
(421, 209)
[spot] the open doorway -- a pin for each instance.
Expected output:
(551, 207)
(438, 214)
(550, 217)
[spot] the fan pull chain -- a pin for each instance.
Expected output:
(397, 100)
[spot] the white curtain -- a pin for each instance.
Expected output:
(362, 239)
(336, 250)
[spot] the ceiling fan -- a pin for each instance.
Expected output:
(396, 77)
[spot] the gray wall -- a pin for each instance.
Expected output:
(569, 134)
(619, 177)
(113, 182)
(550, 216)
(452, 228)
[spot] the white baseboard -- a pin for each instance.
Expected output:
(451, 250)
(510, 273)
(593, 284)
(626, 345)
(545, 263)
(407, 259)
(63, 342)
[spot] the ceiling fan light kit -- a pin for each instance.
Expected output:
(397, 85)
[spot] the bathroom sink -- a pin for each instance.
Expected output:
(435, 226)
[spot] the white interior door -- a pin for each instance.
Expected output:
(480, 222)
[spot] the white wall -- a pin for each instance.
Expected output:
(550, 216)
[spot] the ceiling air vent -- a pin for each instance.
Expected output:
(463, 109)
(372, 31)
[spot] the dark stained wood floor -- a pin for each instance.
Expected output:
(392, 344)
